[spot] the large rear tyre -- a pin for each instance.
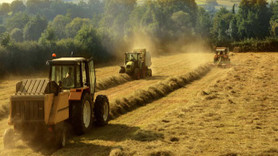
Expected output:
(8, 138)
(101, 110)
(82, 115)
(149, 73)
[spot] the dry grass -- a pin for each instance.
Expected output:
(112, 81)
(156, 91)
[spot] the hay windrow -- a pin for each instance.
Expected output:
(112, 81)
(156, 91)
(4, 111)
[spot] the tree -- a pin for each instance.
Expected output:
(48, 37)
(75, 25)
(19, 20)
(58, 24)
(17, 6)
(116, 15)
(34, 28)
(253, 19)
(89, 40)
(17, 35)
(37, 6)
(2, 29)
(183, 23)
(233, 29)
(5, 39)
(204, 23)
(4, 9)
(221, 23)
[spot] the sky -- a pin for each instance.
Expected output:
(5, 1)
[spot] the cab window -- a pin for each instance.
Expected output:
(65, 76)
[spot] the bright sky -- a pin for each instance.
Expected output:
(4, 1)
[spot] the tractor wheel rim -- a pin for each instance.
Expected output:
(87, 114)
(105, 111)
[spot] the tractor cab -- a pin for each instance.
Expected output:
(137, 63)
(221, 56)
(131, 61)
(72, 73)
(222, 51)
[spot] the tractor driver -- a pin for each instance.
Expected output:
(132, 58)
(68, 79)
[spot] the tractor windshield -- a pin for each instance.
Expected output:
(132, 57)
(64, 76)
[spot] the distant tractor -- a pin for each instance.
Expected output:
(137, 64)
(46, 108)
(221, 57)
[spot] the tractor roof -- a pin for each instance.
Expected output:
(136, 51)
(68, 60)
(221, 48)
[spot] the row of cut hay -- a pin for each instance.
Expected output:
(156, 91)
(112, 81)
(4, 111)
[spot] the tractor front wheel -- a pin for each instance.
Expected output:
(149, 72)
(122, 70)
(82, 115)
(101, 110)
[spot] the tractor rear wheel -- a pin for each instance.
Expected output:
(8, 138)
(149, 73)
(82, 115)
(101, 110)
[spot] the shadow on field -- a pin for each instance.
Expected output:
(156, 78)
(84, 149)
(119, 132)
(81, 145)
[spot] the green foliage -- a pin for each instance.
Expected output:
(58, 25)
(17, 6)
(182, 22)
(34, 28)
(233, 29)
(18, 20)
(17, 35)
(4, 8)
(204, 23)
(255, 45)
(221, 25)
(2, 29)
(48, 37)
(75, 25)
(116, 15)
(89, 40)
(5, 39)
(253, 19)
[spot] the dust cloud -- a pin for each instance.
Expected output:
(195, 46)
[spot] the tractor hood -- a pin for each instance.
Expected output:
(129, 67)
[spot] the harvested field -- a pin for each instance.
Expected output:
(220, 111)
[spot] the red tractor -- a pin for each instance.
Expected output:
(221, 57)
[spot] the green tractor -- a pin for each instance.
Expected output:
(137, 64)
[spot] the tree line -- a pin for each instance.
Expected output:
(31, 31)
